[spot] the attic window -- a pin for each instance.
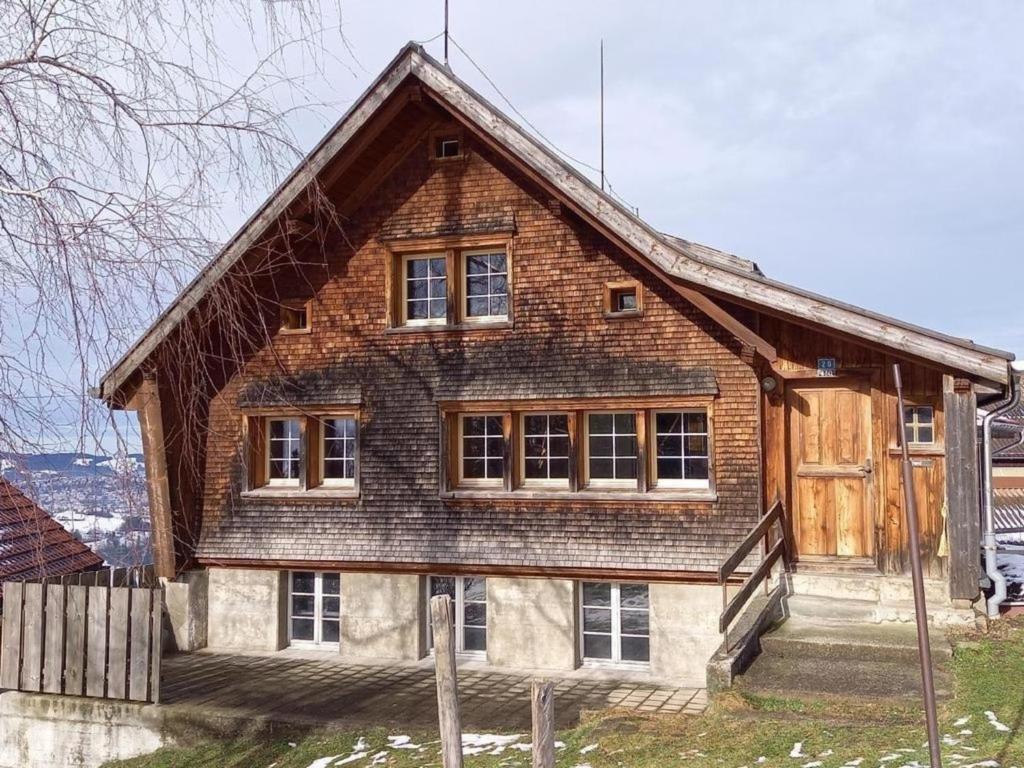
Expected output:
(447, 147)
(919, 424)
(622, 299)
(294, 316)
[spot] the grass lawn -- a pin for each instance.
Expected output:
(982, 727)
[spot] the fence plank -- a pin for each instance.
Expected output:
(117, 658)
(96, 649)
(156, 644)
(53, 652)
(138, 658)
(10, 650)
(448, 713)
(74, 647)
(542, 710)
(32, 638)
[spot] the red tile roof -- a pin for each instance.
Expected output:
(33, 544)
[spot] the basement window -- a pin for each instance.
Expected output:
(615, 621)
(469, 606)
(919, 424)
(314, 609)
(294, 316)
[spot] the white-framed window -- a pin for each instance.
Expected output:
(338, 451)
(314, 609)
(682, 457)
(469, 603)
(615, 622)
(611, 449)
(545, 449)
(919, 424)
(481, 450)
(284, 451)
(486, 285)
(425, 289)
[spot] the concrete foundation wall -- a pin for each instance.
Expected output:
(684, 631)
(531, 623)
(382, 616)
(247, 609)
(186, 600)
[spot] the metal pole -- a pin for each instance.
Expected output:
(446, 33)
(602, 115)
(920, 609)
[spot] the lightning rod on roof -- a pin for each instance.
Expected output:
(602, 114)
(446, 33)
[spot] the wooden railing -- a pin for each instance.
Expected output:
(731, 608)
(91, 634)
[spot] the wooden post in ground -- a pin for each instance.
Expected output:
(542, 707)
(448, 714)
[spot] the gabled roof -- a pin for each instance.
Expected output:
(33, 544)
(700, 267)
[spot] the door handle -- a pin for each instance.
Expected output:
(869, 466)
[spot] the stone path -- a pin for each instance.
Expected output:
(311, 689)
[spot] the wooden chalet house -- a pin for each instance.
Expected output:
(487, 378)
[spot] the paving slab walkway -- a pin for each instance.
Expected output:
(315, 689)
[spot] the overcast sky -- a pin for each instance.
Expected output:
(869, 151)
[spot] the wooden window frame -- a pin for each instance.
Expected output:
(619, 286)
(558, 484)
(916, 426)
(318, 448)
(451, 133)
(615, 634)
(295, 305)
(459, 611)
(515, 485)
(682, 484)
(408, 322)
(454, 249)
(604, 484)
(478, 482)
(291, 483)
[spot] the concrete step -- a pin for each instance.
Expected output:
(867, 586)
(857, 642)
(827, 610)
(813, 675)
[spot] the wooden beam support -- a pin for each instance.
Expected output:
(147, 403)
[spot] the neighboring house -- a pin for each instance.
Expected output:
(1008, 450)
(33, 544)
(499, 384)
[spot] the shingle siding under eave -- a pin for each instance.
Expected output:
(561, 345)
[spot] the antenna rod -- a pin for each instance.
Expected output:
(446, 33)
(602, 113)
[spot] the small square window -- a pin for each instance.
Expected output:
(446, 147)
(622, 299)
(294, 316)
(919, 424)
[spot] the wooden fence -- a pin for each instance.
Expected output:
(91, 634)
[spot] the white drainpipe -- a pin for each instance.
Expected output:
(989, 533)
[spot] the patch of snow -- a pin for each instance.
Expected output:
(984, 764)
(380, 758)
(962, 721)
(322, 762)
(889, 758)
(853, 763)
(588, 748)
(350, 759)
(995, 722)
(826, 753)
(812, 764)
(401, 742)
(797, 750)
(477, 743)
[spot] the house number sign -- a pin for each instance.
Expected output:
(826, 367)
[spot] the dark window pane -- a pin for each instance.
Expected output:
(670, 445)
(535, 425)
(597, 593)
(473, 425)
(474, 639)
(475, 615)
(478, 307)
(625, 423)
(635, 623)
(495, 468)
(498, 284)
(499, 305)
(668, 422)
(418, 310)
(473, 447)
(559, 425)
(625, 469)
(474, 469)
(559, 446)
(925, 415)
(416, 268)
(696, 445)
(600, 446)
(597, 646)
(302, 605)
(438, 308)
(536, 446)
(696, 422)
(277, 429)
(559, 469)
(925, 435)
(303, 581)
(438, 289)
(636, 649)
(626, 300)
(331, 583)
(477, 286)
(600, 423)
(334, 449)
(696, 469)
(670, 469)
(602, 469)
(475, 588)
(597, 620)
(495, 446)
(417, 289)
(494, 425)
(908, 433)
(625, 446)
(633, 595)
(329, 631)
(302, 629)
(437, 267)
(498, 263)
(535, 469)
(331, 607)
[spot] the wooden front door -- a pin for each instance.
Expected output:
(830, 438)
